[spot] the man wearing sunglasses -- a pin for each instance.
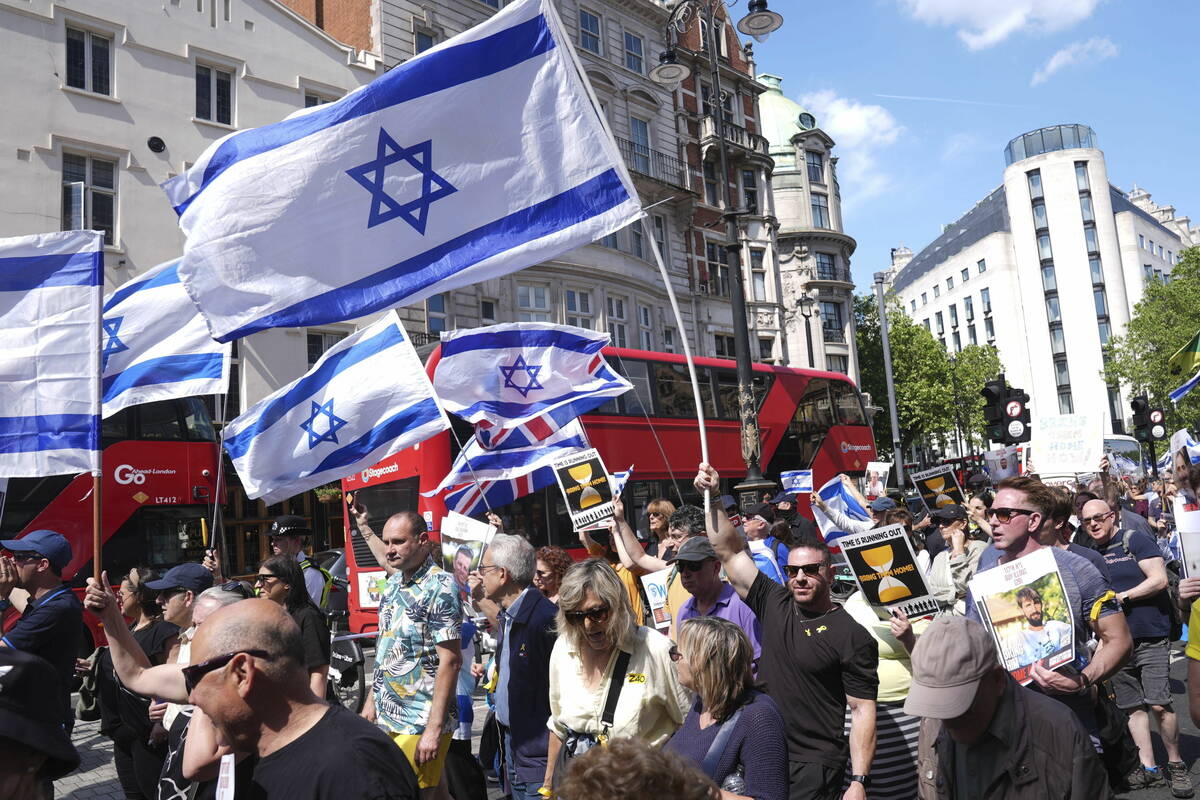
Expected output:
(816, 660)
(52, 618)
(1022, 506)
(700, 573)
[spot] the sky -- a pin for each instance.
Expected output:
(922, 96)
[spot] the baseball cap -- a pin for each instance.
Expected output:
(29, 710)
(727, 502)
(47, 544)
(764, 510)
(883, 504)
(951, 512)
(784, 497)
(193, 577)
(290, 525)
(951, 657)
(696, 548)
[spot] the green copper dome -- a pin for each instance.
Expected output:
(781, 118)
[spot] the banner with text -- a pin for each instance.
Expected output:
(1067, 443)
(885, 569)
(938, 487)
(585, 486)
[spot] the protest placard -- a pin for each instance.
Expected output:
(1187, 525)
(1184, 457)
(877, 478)
(1027, 612)
(463, 542)
(585, 486)
(799, 481)
(1065, 444)
(885, 569)
(938, 487)
(655, 584)
(1002, 463)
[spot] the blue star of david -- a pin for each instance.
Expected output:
(310, 426)
(384, 207)
(112, 345)
(520, 365)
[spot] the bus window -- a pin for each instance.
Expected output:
(28, 497)
(848, 402)
(637, 401)
(675, 391)
(814, 412)
(158, 537)
(159, 421)
(196, 420)
(727, 391)
(117, 428)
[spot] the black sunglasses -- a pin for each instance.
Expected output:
(794, 570)
(263, 577)
(691, 566)
(26, 556)
(1005, 514)
(597, 615)
(193, 674)
(239, 588)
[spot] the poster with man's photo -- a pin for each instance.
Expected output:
(885, 568)
(938, 487)
(1002, 463)
(463, 542)
(1185, 456)
(877, 478)
(1187, 527)
(1027, 612)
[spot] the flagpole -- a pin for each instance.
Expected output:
(474, 477)
(98, 399)
(217, 535)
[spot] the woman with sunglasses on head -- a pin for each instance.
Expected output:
(658, 516)
(609, 676)
(280, 579)
(552, 563)
(733, 732)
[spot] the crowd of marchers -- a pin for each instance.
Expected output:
(758, 677)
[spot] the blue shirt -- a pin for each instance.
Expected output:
(50, 628)
(1148, 617)
(731, 607)
(506, 620)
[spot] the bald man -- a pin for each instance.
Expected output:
(247, 674)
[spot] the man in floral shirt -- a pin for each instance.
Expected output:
(418, 653)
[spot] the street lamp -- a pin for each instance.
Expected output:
(806, 304)
(759, 23)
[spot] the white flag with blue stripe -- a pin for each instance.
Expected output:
(156, 345)
(516, 457)
(365, 399)
(506, 375)
(476, 158)
(50, 288)
(837, 497)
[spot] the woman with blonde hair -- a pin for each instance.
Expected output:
(733, 732)
(609, 676)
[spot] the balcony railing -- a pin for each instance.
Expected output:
(653, 163)
(833, 335)
(420, 338)
(834, 274)
(735, 135)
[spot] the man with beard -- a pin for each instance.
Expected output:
(1040, 637)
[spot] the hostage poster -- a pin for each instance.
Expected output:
(1002, 463)
(938, 487)
(585, 486)
(877, 479)
(1025, 608)
(885, 569)
(463, 542)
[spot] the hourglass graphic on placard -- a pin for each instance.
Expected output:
(881, 559)
(582, 473)
(938, 487)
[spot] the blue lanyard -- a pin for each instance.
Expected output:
(49, 597)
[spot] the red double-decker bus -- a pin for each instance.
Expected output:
(808, 420)
(159, 480)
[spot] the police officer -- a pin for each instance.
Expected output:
(286, 534)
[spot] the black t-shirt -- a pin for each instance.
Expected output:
(50, 628)
(314, 632)
(120, 707)
(342, 756)
(810, 665)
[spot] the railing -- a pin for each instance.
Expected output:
(833, 334)
(420, 338)
(734, 134)
(653, 163)
(834, 274)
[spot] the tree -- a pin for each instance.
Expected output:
(1166, 318)
(935, 395)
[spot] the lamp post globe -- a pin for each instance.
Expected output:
(761, 22)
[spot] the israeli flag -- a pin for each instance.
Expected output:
(365, 399)
(503, 376)
(156, 345)
(839, 499)
(1183, 391)
(517, 458)
(476, 158)
(797, 480)
(50, 288)
(619, 479)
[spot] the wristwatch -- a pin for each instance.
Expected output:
(865, 780)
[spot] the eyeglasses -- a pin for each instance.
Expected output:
(261, 578)
(597, 615)
(484, 568)
(1097, 519)
(692, 566)
(812, 570)
(167, 594)
(539, 573)
(193, 674)
(675, 654)
(26, 556)
(655, 514)
(1005, 514)
(237, 587)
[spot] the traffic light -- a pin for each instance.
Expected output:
(1141, 417)
(1016, 417)
(995, 394)
(1158, 424)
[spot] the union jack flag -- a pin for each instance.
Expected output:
(470, 498)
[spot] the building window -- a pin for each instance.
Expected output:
(1081, 176)
(711, 194)
(750, 190)
(1101, 302)
(1089, 236)
(937, 290)
(423, 41)
(1096, 270)
(924, 299)
(89, 195)
(437, 314)
(838, 364)
(1105, 332)
(1085, 207)
(319, 342)
(609, 240)
(966, 275)
(718, 268)
(957, 342)
(758, 275)
(723, 345)
(989, 329)
(1160, 252)
(982, 265)
(820, 211)
(637, 239)
(969, 308)
(1035, 184)
(1053, 314)
(633, 53)
(214, 94)
(1141, 242)
(816, 166)
(660, 234)
(645, 331)
(589, 31)
(617, 321)
(89, 61)
(826, 270)
(832, 325)
(949, 283)
(1062, 375)
(941, 324)
(639, 134)
(1049, 283)
(1045, 252)
(914, 304)
(971, 338)
(1065, 406)
(668, 340)
(311, 100)
(985, 300)
(487, 311)
(953, 316)
(726, 103)
(1039, 216)
(578, 305)
(1058, 343)
(925, 322)
(533, 303)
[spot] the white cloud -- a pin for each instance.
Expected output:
(1093, 51)
(860, 130)
(983, 23)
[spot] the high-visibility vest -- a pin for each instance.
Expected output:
(326, 576)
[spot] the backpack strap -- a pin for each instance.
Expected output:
(616, 682)
(717, 748)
